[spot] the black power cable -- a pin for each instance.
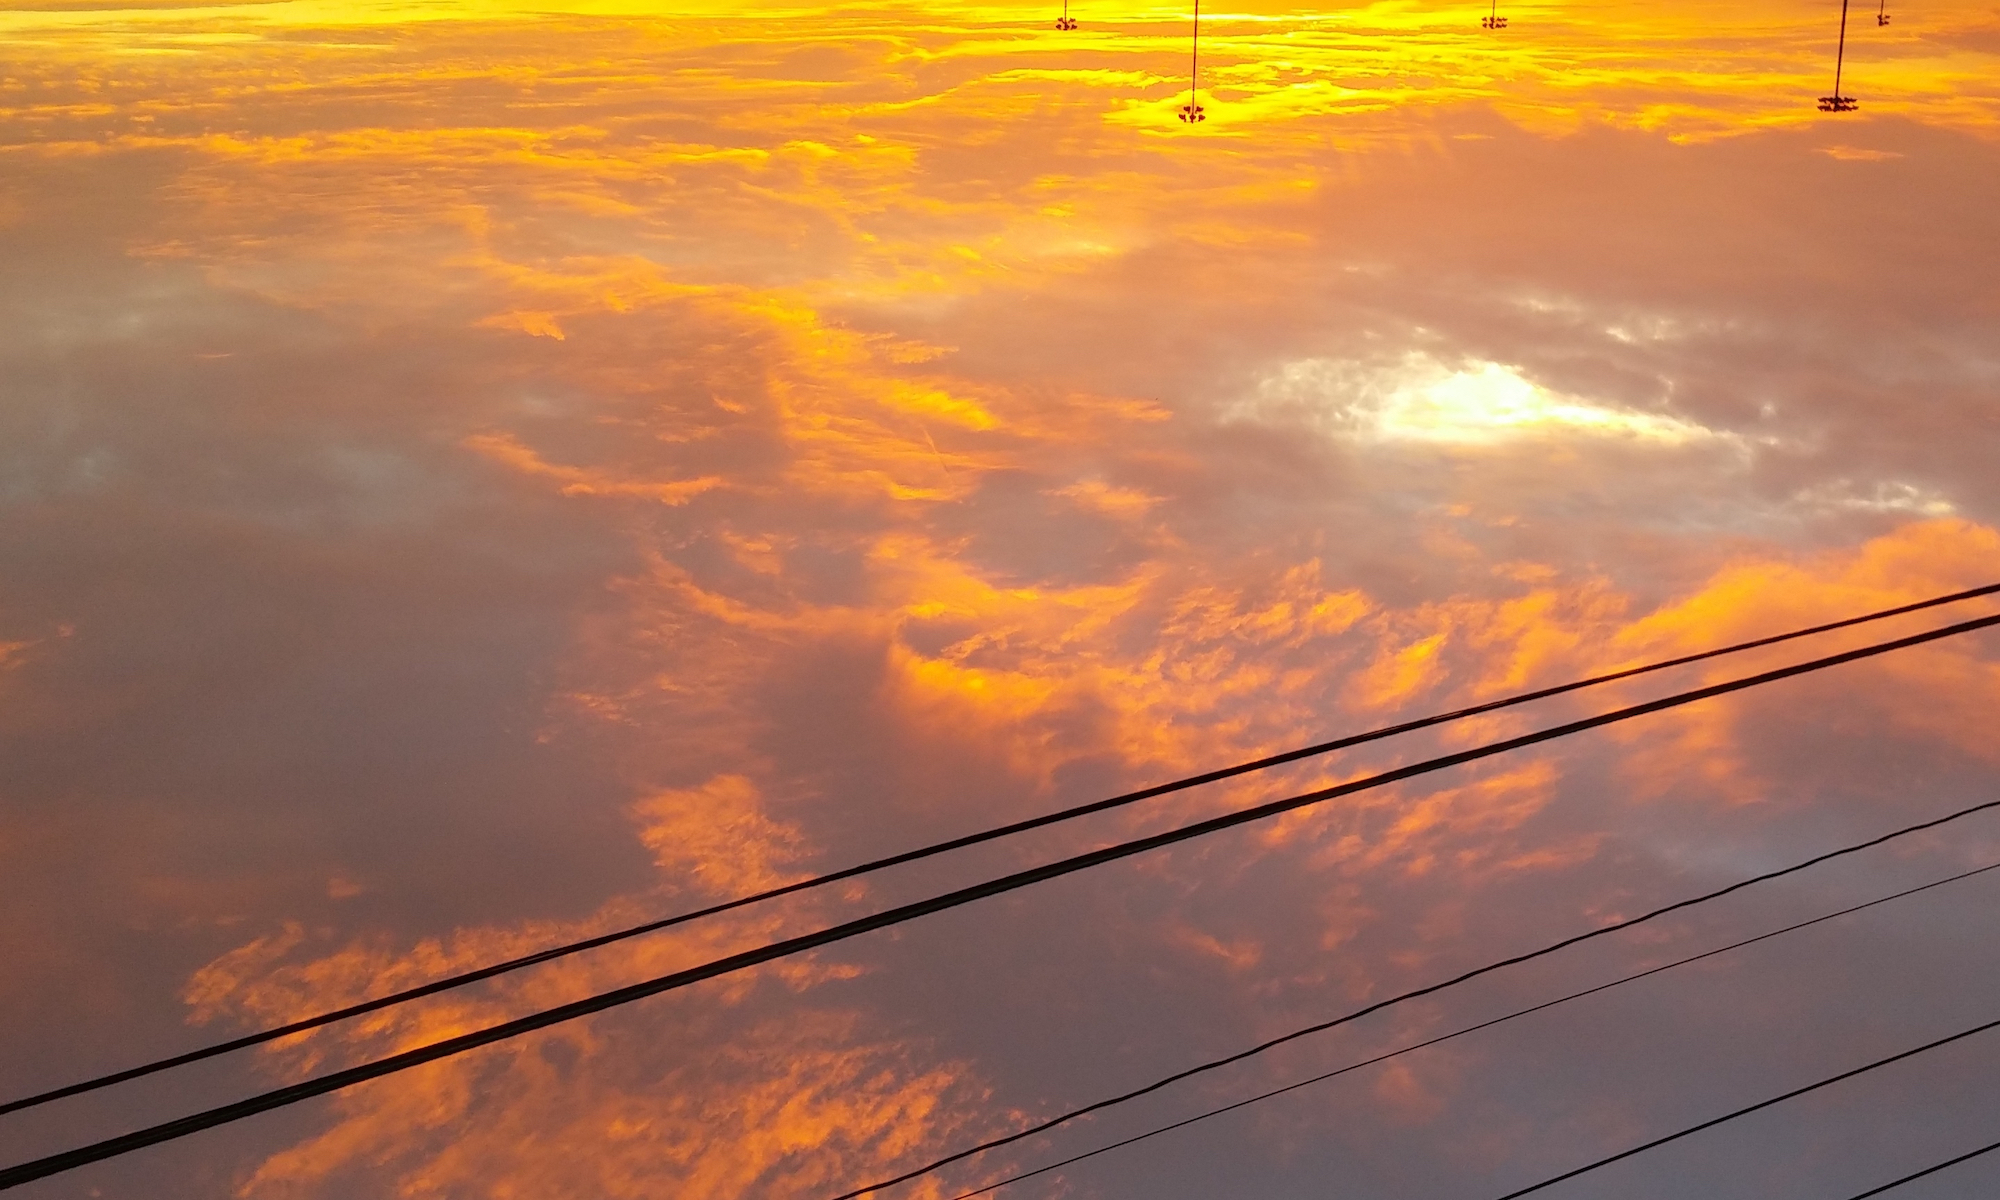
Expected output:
(1931, 1170)
(336, 1080)
(1239, 1056)
(1712, 1122)
(555, 952)
(1457, 1033)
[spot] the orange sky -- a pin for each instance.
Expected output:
(477, 474)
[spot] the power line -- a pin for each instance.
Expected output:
(1357, 1014)
(1456, 1033)
(447, 1047)
(1949, 1162)
(553, 953)
(1712, 1122)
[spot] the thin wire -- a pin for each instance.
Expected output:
(556, 952)
(1950, 1162)
(1456, 1033)
(1712, 1122)
(447, 1047)
(1215, 1064)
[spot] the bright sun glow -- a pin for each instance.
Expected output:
(1421, 400)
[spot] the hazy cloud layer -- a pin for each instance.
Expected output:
(471, 478)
